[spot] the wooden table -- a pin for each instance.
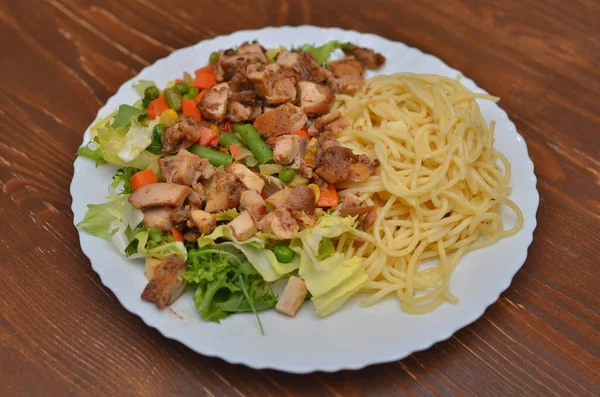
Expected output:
(63, 333)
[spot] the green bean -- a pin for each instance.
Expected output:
(173, 98)
(258, 147)
(182, 87)
(214, 157)
(283, 253)
(287, 175)
(227, 138)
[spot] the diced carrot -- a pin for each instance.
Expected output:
(142, 178)
(200, 95)
(328, 197)
(179, 80)
(177, 236)
(208, 137)
(205, 70)
(191, 110)
(236, 150)
(205, 80)
(157, 106)
(301, 132)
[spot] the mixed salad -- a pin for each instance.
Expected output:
(226, 181)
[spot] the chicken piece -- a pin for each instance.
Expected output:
(253, 202)
(360, 171)
(283, 90)
(181, 135)
(288, 148)
(159, 195)
(185, 168)
(181, 215)
(368, 221)
(281, 120)
(304, 220)
(204, 221)
(228, 63)
(369, 58)
(315, 99)
(301, 198)
(349, 74)
(279, 198)
(251, 48)
(213, 104)
(280, 223)
(332, 123)
(272, 82)
(258, 74)
(292, 297)
(333, 164)
(166, 285)
(224, 192)
(150, 266)
(243, 227)
(349, 201)
(309, 70)
(159, 217)
(196, 199)
(250, 179)
(287, 58)
(238, 112)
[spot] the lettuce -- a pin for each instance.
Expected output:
(328, 226)
(322, 53)
(92, 151)
(121, 179)
(227, 215)
(151, 242)
(135, 141)
(124, 115)
(125, 147)
(141, 85)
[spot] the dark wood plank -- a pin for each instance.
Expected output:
(63, 333)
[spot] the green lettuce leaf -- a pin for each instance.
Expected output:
(124, 116)
(94, 154)
(151, 242)
(141, 85)
(227, 215)
(121, 179)
(322, 53)
(125, 147)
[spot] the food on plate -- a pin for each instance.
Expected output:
(287, 164)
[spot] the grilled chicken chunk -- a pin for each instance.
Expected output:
(213, 104)
(332, 123)
(159, 217)
(369, 58)
(309, 70)
(349, 74)
(287, 58)
(150, 266)
(279, 198)
(292, 297)
(288, 148)
(158, 195)
(185, 168)
(166, 285)
(281, 120)
(301, 198)
(243, 227)
(315, 99)
(204, 221)
(224, 192)
(333, 164)
(249, 179)
(182, 135)
(273, 83)
(252, 202)
(280, 223)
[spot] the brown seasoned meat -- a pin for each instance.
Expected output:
(288, 148)
(228, 64)
(287, 58)
(369, 58)
(242, 89)
(243, 227)
(315, 99)
(362, 169)
(292, 297)
(304, 220)
(237, 111)
(159, 217)
(309, 70)
(254, 204)
(248, 178)
(349, 201)
(349, 74)
(280, 223)
(185, 168)
(182, 135)
(279, 198)
(301, 198)
(273, 83)
(166, 285)
(281, 120)
(224, 192)
(332, 123)
(251, 48)
(333, 164)
(181, 214)
(204, 221)
(213, 104)
(158, 195)
(368, 221)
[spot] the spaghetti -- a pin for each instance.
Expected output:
(440, 185)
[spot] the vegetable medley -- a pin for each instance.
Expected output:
(226, 181)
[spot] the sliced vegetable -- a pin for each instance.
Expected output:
(157, 106)
(142, 178)
(283, 253)
(173, 98)
(252, 138)
(205, 80)
(177, 236)
(328, 197)
(287, 175)
(205, 70)
(124, 116)
(191, 110)
(208, 137)
(216, 158)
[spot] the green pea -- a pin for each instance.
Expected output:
(173, 98)
(193, 91)
(182, 87)
(287, 175)
(151, 93)
(283, 253)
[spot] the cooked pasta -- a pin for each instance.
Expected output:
(440, 185)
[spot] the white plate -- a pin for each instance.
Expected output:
(353, 337)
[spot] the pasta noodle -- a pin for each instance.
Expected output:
(440, 185)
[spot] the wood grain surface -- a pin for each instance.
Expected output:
(62, 333)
